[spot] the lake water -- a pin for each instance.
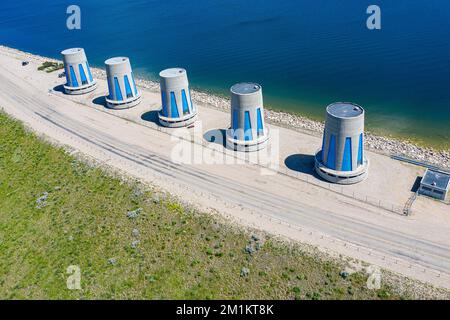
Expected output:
(306, 54)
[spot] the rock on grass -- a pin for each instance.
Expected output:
(249, 249)
(135, 233)
(134, 244)
(245, 272)
(156, 199)
(134, 214)
(42, 200)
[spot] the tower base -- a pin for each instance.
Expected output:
(177, 123)
(119, 105)
(246, 146)
(341, 177)
(80, 90)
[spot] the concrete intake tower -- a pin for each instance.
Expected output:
(123, 92)
(248, 130)
(342, 157)
(177, 107)
(79, 79)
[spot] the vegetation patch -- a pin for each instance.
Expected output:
(49, 66)
(131, 242)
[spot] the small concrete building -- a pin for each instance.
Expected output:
(248, 130)
(177, 107)
(78, 73)
(123, 92)
(435, 184)
(342, 157)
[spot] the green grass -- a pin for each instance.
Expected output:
(181, 253)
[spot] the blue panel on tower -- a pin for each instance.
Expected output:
(185, 102)
(164, 111)
(127, 87)
(360, 150)
(248, 136)
(118, 96)
(331, 158)
(173, 106)
(73, 78)
(347, 160)
(323, 140)
(109, 90)
(260, 122)
(82, 75)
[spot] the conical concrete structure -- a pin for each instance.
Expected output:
(342, 157)
(123, 92)
(79, 79)
(177, 108)
(248, 130)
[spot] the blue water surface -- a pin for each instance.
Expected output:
(306, 54)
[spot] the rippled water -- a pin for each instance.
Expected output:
(306, 54)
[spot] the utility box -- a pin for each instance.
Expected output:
(435, 184)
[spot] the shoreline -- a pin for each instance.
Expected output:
(375, 143)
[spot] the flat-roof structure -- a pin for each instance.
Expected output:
(435, 184)
(245, 88)
(344, 110)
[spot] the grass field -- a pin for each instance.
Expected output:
(56, 211)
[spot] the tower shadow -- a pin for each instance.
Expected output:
(100, 101)
(303, 163)
(151, 116)
(59, 88)
(217, 136)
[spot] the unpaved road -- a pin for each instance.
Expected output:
(414, 247)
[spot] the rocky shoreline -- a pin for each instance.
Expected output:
(376, 143)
